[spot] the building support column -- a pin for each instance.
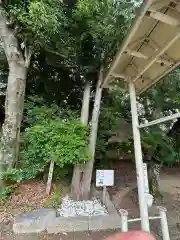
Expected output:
(139, 162)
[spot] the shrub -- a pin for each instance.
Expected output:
(64, 141)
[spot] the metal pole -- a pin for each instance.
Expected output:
(124, 220)
(139, 162)
(164, 223)
(160, 120)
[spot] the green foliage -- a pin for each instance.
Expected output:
(12, 175)
(55, 199)
(51, 134)
(5, 192)
(38, 21)
(162, 146)
(37, 110)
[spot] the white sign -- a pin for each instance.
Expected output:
(146, 183)
(104, 178)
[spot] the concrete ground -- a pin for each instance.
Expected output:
(7, 234)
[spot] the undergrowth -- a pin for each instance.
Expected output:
(49, 133)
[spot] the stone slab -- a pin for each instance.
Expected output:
(110, 206)
(104, 222)
(108, 203)
(34, 222)
(69, 224)
(26, 236)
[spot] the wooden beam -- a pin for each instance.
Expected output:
(159, 53)
(141, 55)
(177, 64)
(162, 17)
(160, 120)
(116, 75)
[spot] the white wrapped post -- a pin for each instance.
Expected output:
(139, 161)
(164, 223)
(124, 220)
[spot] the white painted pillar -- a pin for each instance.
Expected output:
(124, 220)
(164, 223)
(139, 162)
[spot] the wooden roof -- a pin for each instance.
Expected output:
(151, 49)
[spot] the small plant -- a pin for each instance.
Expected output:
(54, 202)
(5, 192)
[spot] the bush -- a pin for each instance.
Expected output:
(64, 141)
(49, 132)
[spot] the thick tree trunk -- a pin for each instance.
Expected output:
(18, 65)
(154, 177)
(88, 168)
(13, 114)
(76, 179)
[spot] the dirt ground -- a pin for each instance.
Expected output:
(124, 197)
(31, 195)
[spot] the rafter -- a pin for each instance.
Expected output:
(159, 53)
(159, 16)
(135, 25)
(141, 55)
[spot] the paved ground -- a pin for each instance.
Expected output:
(6, 234)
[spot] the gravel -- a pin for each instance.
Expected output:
(70, 208)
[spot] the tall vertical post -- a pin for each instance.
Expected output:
(138, 159)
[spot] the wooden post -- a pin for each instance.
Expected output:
(50, 176)
(104, 194)
(164, 223)
(139, 162)
(124, 220)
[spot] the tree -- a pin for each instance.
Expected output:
(105, 23)
(25, 27)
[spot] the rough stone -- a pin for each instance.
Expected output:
(70, 208)
(33, 222)
(69, 224)
(104, 222)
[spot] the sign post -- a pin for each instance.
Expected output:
(104, 194)
(104, 178)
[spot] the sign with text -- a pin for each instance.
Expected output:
(104, 178)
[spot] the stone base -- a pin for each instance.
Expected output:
(104, 222)
(45, 219)
(69, 224)
(34, 222)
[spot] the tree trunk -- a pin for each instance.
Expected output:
(88, 168)
(154, 177)
(76, 179)
(13, 114)
(18, 62)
